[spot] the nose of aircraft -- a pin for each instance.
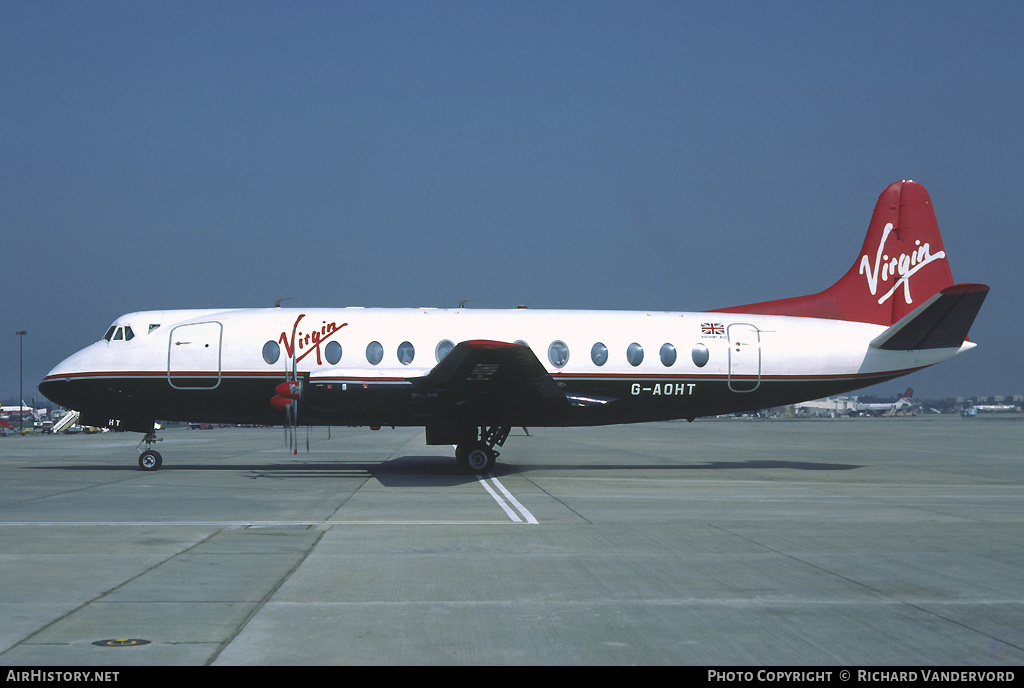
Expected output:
(50, 391)
(59, 390)
(62, 385)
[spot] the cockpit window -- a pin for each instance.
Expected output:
(117, 334)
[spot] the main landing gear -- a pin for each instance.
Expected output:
(150, 460)
(477, 455)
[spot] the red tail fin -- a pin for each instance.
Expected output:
(901, 265)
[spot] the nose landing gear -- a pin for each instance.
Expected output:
(150, 460)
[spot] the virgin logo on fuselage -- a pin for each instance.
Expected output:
(903, 265)
(310, 341)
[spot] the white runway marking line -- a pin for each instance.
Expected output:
(243, 524)
(505, 505)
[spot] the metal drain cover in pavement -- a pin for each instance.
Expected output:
(121, 642)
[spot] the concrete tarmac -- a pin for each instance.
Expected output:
(888, 541)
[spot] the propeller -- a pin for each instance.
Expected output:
(286, 398)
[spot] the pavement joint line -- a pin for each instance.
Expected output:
(263, 601)
(28, 639)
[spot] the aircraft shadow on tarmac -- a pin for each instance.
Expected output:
(425, 471)
(706, 466)
(404, 471)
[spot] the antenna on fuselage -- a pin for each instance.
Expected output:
(462, 303)
(277, 304)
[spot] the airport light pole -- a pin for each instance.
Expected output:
(21, 404)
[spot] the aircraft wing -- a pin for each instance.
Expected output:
(493, 372)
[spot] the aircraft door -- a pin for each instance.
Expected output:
(193, 356)
(744, 357)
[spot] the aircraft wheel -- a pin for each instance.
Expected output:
(478, 458)
(150, 460)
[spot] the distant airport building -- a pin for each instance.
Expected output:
(973, 406)
(831, 406)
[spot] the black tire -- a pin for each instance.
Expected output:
(150, 460)
(477, 458)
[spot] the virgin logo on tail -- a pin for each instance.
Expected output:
(903, 265)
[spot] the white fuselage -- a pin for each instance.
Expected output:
(642, 365)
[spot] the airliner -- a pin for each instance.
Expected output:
(22, 410)
(470, 375)
(880, 408)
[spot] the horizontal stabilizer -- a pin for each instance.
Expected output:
(942, 321)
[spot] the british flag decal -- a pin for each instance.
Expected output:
(712, 328)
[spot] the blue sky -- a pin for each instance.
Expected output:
(634, 155)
